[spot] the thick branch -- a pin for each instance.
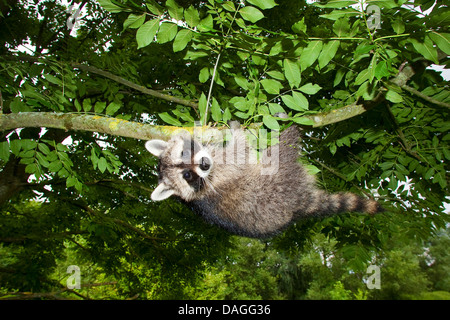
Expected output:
(85, 122)
(346, 112)
(94, 123)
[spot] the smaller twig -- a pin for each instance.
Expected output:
(425, 97)
(208, 101)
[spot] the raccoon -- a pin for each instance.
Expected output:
(235, 195)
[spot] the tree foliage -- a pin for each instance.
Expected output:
(354, 75)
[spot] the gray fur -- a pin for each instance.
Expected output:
(237, 196)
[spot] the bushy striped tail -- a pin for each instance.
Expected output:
(346, 202)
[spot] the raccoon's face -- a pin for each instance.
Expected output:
(184, 166)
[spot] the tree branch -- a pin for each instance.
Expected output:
(85, 122)
(93, 123)
(406, 71)
(117, 79)
(425, 97)
(135, 86)
(346, 112)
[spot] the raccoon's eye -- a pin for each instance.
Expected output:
(187, 175)
(205, 164)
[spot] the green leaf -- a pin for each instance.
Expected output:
(312, 169)
(429, 173)
(446, 152)
(169, 119)
(292, 72)
(229, 6)
(62, 148)
(102, 164)
(44, 148)
(202, 105)
(251, 14)
(442, 40)
(362, 76)
(167, 32)
(398, 26)
(109, 6)
(366, 91)
(55, 166)
(53, 79)
(242, 82)
(184, 115)
(134, 21)
(310, 54)
(17, 105)
(206, 24)
(310, 88)
(342, 27)
(99, 106)
(328, 52)
(146, 33)
(270, 122)
(338, 78)
(241, 115)
(192, 17)
(426, 49)
(240, 103)
(77, 105)
(31, 168)
(112, 108)
(276, 75)
(271, 86)
(299, 26)
(87, 106)
(194, 55)
(154, 7)
(216, 112)
(296, 101)
(394, 97)
(226, 115)
(182, 39)
(204, 75)
(333, 148)
(275, 108)
(263, 4)
(381, 70)
(337, 14)
(175, 11)
(15, 146)
(42, 160)
(4, 151)
(303, 121)
(71, 181)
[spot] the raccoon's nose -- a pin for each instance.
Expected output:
(205, 164)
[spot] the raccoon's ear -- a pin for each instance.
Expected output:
(156, 147)
(162, 192)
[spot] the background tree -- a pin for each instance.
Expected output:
(374, 117)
